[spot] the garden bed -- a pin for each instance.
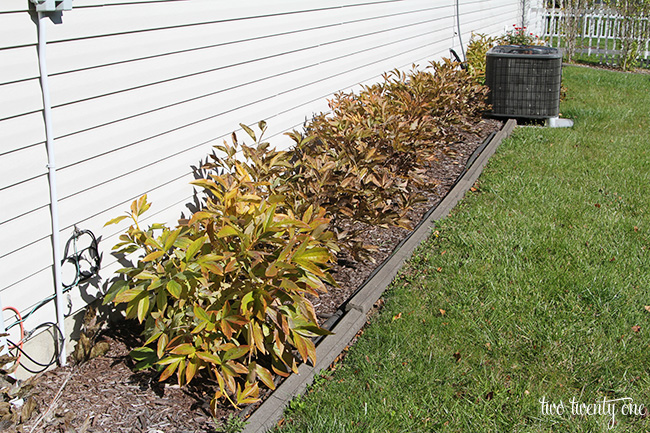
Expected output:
(104, 394)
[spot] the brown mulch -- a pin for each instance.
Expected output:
(106, 395)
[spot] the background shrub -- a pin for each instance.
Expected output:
(226, 293)
(364, 161)
(477, 49)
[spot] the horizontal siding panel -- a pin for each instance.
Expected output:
(20, 98)
(21, 200)
(132, 157)
(20, 166)
(119, 106)
(17, 29)
(39, 287)
(173, 163)
(89, 202)
(18, 64)
(25, 230)
(169, 201)
(14, 6)
(91, 22)
(90, 83)
(21, 131)
(94, 3)
(25, 261)
(83, 53)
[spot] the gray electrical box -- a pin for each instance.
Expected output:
(52, 5)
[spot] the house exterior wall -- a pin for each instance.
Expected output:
(142, 90)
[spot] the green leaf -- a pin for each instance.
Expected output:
(153, 256)
(171, 359)
(153, 338)
(201, 314)
(142, 205)
(145, 357)
(167, 372)
(192, 367)
(194, 247)
(249, 394)
(174, 289)
(142, 353)
(227, 231)
(236, 353)
(265, 375)
(171, 238)
(318, 255)
(143, 308)
(145, 275)
(184, 349)
(247, 299)
(128, 295)
(117, 287)
(209, 357)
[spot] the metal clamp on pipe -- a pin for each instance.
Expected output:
(52, 5)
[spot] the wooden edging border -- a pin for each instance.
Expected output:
(271, 411)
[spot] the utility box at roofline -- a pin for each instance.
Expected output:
(524, 81)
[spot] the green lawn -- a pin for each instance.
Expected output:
(534, 288)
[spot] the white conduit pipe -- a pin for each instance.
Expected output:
(460, 35)
(54, 203)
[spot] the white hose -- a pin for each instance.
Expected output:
(54, 203)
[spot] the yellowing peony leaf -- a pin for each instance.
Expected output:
(194, 247)
(143, 308)
(184, 349)
(174, 289)
(227, 231)
(236, 353)
(116, 220)
(265, 375)
(209, 357)
(153, 256)
(249, 131)
(248, 395)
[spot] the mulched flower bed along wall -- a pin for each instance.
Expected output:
(105, 395)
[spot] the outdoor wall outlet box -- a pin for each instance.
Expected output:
(52, 5)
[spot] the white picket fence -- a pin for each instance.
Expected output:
(599, 32)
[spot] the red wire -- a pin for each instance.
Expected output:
(22, 329)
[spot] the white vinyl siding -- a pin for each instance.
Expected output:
(142, 90)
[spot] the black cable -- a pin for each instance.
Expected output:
(51, 362)
(463, 65)
(78, 256)
(54, 356)
(80, 275)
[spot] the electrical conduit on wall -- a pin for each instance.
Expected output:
(460, 35)
(49, 140)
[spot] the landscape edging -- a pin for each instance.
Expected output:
(271, 410)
